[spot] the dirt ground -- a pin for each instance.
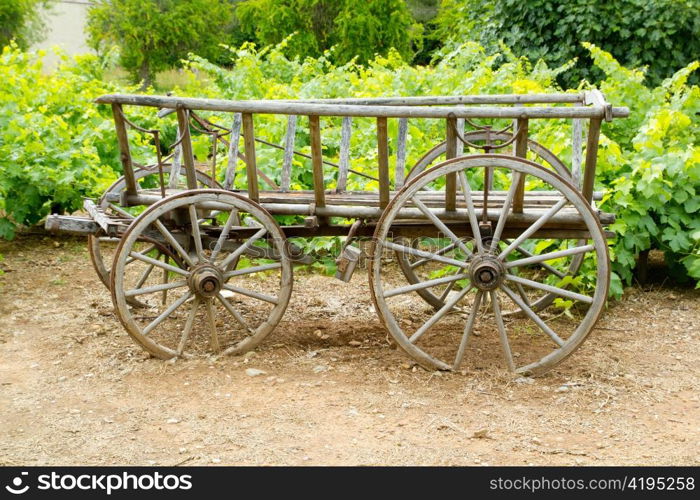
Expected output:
(74, 389)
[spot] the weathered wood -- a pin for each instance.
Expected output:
(183, 121)
(99, 217)
(576, 151)
(383, 161)
(460, 145)
(400, 171)
(317, 163)
(319, 109)
(234, 139)
(176, 165)
(288, 152)
(520, 152)
(591, 158)
(251, 166)
(124, 153)
(344, 161)
(71, 224)
(451, 152)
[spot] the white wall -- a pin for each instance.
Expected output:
(65, 24)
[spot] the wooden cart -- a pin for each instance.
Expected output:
(486, 234)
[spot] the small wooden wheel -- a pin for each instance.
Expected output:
(490, 262)
(101, 248)
(226, 292)
(408, 263)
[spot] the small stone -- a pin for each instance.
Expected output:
(254, 372)
(355, 343)
(406, 366)
(62, 378)
(563, 388)
(536, 440)
(325, 337)
(183, 450)
(524, 380)
(216, 460)
(481, 434)
(320, 368)
(318, 333)
(173, 421)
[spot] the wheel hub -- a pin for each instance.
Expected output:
(486, 272)
(206, 280)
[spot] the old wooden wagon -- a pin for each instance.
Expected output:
(486, 234)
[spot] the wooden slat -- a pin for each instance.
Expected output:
(383, 161)
(591, 158)
(460, 145)
(576, 151)
(450, 152)
(288, 152)
(250, 163)
(176, 163)
(124, 153)
(317, 162)
(520, 152)
(234, 139)
(400, 172)
(344, 161)
(183, 121)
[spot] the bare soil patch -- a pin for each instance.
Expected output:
(74, 388)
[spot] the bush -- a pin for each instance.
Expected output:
(21, 21)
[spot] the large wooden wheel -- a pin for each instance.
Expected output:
(488, 274)
(540, 153)
(101, 248)
(227, 290)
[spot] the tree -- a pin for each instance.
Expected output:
(153, 35)
(22, 21)
(357, 29)
(660, 34)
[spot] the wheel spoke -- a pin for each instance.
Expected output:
(157, 263)
(188, 327)
(549, 268)
(504, 211)
(196, 236)
(253, 269)
(240, 250)
(442, 251)
(502, 331)
(535, 259)
(166, 313)
(447, 291)
(424, 284)
(211, 316)
(541, 221)
(229, 307)
(164, 298)
(155, 288)
(533, 316)
(467, 193)
(224, 235)
(468, 330)
(549, 288)
(424, 254)
(144, 276)
(436, 317)
(173, 242)
(441, 225)
(251, 293)
(120, 211)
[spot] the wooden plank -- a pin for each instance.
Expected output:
(450, 152)
(183, 121)
(521, 152)
(234, 139)
(124, 152)
(460, 145)
(71, 224)
(176, 165)
(400, 171)
(344, 161)
(288, 152)
(304, 108)
(250, 163)
(591, 158)
(317, 163)
(576, 151)
(383, 161)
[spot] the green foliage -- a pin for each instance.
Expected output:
(55, 144)
(157, 35)
(660, 34)
(355, 29)
(21, 21)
